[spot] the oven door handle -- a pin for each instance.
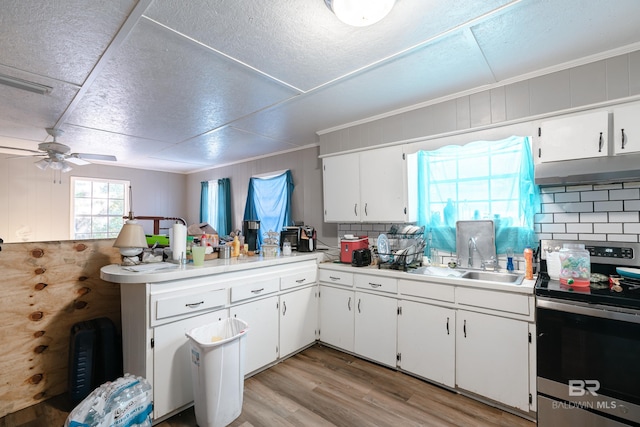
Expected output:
(592, 310)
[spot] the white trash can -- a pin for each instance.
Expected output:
(217, 371)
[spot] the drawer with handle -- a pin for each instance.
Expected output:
(171, 307)
(336, 277)
(254, 288)
(306, 276)
(376, 283)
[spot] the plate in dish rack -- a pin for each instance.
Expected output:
(383, 247)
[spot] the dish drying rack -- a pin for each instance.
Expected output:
(406, 248)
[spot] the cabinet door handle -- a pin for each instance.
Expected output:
(257, 291)
(375, 285)
(365, 209)
(464, 328)
(355, 209)
(624, 139)
(284, 308)
(600, 143)
(349, 304)
(300, 280)
(447, 326)
(359, 300)
(334, 278)
(194, 304)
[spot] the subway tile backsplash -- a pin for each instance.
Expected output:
(607, 212)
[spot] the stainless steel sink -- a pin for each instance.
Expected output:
(438, 271)
(490, 276)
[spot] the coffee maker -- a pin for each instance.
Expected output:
(251, 231)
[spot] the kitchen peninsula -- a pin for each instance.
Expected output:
(275, 296)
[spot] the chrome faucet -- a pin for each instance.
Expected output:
(472, 247)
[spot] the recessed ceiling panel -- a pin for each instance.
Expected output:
(59, 39)
(163, 86)
(535, 35)
(453, 64)
(223, 146)
(302, 42)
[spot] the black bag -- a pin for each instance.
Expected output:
(95, 357)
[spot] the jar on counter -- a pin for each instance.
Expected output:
(575, 265)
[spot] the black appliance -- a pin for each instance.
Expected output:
(251, 231)
(361, 258)
(290, 234)
(588, 343)
(307, 240)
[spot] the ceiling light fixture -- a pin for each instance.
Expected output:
(360, 13)
(25, 85)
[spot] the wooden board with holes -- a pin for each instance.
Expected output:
(47, 287)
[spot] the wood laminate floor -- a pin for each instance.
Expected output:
(324, 387)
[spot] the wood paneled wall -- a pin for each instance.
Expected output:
(45, 288)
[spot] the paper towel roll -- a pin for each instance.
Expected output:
(178, 242)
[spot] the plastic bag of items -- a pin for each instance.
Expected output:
(125, 402)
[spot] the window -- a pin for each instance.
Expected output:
(481, 180)
(269, 201)
(215, 205)
(97, 207)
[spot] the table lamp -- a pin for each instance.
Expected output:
(131, 241)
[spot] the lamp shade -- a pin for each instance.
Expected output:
(360, 13)
(131, 236)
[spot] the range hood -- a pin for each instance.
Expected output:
(598, 170)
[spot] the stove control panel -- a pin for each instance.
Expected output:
(610, 252)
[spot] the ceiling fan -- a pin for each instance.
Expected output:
(57, 156)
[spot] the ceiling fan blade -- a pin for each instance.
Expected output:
(88, 156)
(20, 149)
(77, 161)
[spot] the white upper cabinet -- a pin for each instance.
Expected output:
(626, 129)
(575, 137)
(341, 189)
(370, 186)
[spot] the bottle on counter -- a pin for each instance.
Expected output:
(528, 263)
(235, 247)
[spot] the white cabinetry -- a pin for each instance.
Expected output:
(492, 357)
(337, 317)
(337, 305)
(262, 338)
(298, 319)
(626, 129)
(574, 137)
(376, 319)
(370, 186)
(426, 332)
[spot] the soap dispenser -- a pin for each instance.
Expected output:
(510, 259)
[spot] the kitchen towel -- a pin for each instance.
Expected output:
(178, 241)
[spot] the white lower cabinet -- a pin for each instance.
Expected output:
(262, 338)
(298, 319)
(172, 362)
(492, 357)
(426, 341)
(375, 334)
(337, 317)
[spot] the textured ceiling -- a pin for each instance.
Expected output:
(182, 86)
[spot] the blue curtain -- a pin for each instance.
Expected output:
(480, 180)
(269, 201)
(204, 201)
(223, 220)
